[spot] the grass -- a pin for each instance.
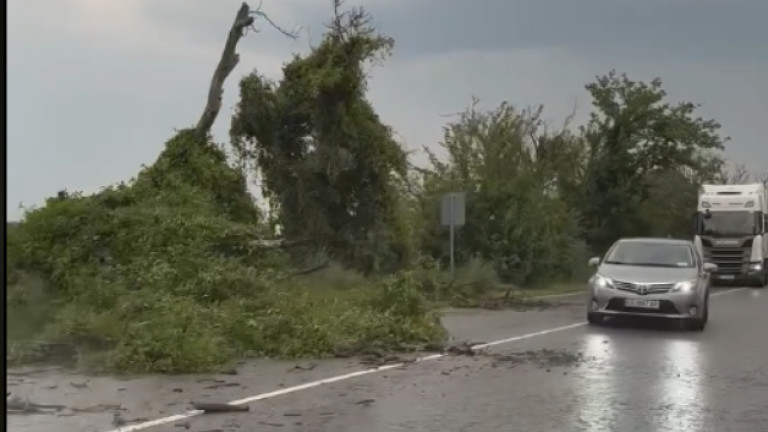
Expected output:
(475, 285)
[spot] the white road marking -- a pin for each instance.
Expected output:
(344, 377)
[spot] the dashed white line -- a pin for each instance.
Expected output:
(178, 417)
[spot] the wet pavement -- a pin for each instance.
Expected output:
(555, 374)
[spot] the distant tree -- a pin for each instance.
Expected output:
(739, 174)
(512, 168)
(762, 178)
(634, 135)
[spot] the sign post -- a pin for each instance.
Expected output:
(452, 215)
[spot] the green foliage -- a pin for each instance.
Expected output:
(635, 135)
(516, 218)
(329, 166)
(162, 275)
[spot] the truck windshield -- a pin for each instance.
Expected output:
(729, 224)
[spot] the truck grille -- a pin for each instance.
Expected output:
(643, 289)
(729, 260)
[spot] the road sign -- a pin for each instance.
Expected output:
(453, 214)
(453, 209)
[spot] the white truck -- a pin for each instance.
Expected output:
(732, 231)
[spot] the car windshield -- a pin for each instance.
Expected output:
(650, 254)
(729, 223)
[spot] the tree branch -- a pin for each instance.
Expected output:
(244, 20)
(227, 63)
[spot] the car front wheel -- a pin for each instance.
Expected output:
(594, 318)
(699, 324)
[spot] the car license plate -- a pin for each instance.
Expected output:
(645, 304)
(726, 277)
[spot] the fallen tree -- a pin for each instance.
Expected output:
(170, 273)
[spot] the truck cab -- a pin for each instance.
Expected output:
(730, 231)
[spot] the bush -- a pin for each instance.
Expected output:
(162, 275)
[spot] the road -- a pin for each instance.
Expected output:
(548, 372)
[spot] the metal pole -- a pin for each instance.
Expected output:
(452, 225)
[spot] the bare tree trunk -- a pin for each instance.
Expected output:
(227, 63)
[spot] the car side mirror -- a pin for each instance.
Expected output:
(710, 267)
(593, 262)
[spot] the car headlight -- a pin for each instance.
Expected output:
(599, 281)
(686, 286)
(756, 266)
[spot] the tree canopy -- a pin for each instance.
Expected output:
(328, 164)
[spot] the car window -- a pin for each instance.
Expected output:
(652, 254)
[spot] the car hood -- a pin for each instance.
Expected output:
(643, 274)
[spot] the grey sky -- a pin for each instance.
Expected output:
(95, 87)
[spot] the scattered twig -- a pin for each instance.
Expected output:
(100, 408)
(219, 407)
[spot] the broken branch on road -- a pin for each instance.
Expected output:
(210, 407)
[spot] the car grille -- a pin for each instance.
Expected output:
(665, 307)
(643, 289)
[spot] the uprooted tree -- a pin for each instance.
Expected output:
(161, 273)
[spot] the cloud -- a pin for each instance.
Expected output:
(445, 83)
(97, 86)
(649, 28)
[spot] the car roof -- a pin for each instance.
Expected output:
(657, 240)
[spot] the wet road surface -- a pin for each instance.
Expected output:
(626, 376)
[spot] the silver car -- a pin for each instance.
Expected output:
(651, 277)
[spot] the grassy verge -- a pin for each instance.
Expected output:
(554, 289)
(475, 285)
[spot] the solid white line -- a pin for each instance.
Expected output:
(318, 383)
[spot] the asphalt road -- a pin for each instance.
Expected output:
(548, 372)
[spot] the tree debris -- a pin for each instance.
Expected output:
(18, 405)
(209, 407)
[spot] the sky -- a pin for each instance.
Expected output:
(96, 87)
